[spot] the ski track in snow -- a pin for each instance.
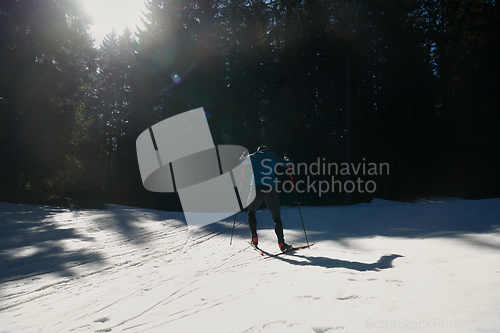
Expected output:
(383, 266)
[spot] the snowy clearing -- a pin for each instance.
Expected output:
(383, 267)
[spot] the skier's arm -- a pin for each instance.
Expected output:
(283, 162)
(244, 159)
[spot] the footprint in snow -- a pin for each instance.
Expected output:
(101, 320)
(348, 297)
(326, 329)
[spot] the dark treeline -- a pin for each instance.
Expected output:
(409, 83)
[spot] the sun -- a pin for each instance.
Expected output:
(107, 14)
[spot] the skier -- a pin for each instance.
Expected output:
(264, 165)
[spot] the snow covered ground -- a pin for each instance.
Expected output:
(379, 267)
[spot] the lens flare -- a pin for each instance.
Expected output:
(176, 78)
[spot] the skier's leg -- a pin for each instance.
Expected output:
(252, 208)
(273, 204)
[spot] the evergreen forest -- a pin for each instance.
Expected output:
(410, 83)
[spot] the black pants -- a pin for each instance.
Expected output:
(271, 198)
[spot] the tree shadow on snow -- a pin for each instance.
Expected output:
(34, 238)
(31, 243)
(447, 218)
(383, 263)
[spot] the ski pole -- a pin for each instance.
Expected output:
(234, 222)
(298, 205)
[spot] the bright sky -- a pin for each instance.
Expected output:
(107, 14)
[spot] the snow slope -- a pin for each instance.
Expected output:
(384, 267)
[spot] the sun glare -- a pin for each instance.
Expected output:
(107, 14)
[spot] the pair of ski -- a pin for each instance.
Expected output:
(270, 255)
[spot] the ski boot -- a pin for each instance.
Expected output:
(285, 247)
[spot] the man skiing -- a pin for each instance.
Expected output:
(264, 165)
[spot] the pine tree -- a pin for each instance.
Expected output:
(46, 79)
